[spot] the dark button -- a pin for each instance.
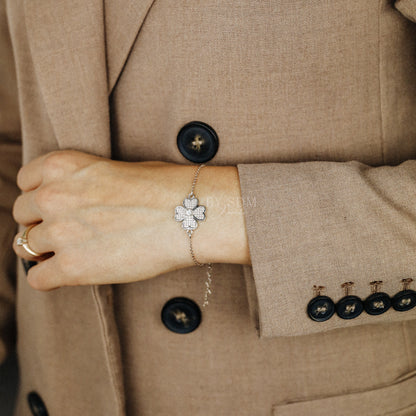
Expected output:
(181, 315)
(349, 307)
(27, 264)
(377, 303)
(321, 308)
(36, 404)
(404, 300)
(197, 142)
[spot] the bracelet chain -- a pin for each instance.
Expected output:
(208, 282)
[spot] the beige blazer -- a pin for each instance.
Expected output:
(314, 102)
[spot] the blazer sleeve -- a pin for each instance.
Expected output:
(323, 224)
(10, 160)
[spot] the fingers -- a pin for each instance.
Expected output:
(54, 272)
(56, 265)
(25, 209)
(30, 176)
(44, 275)
(39, 276)
(37, 241)
(51, 166)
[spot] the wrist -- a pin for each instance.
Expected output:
(221, 237)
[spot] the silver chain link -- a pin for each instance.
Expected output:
(195, 180)
(208, 282)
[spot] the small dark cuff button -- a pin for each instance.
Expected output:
(404, 300)
(377, 303)
(37, 407)
(181, 315)
(349, 307)
(197, 142)
(28, 264)
(321, 308)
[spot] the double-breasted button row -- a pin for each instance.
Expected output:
(321, 307)
(198, 142)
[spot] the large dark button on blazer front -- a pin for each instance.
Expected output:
(36, 404)
(197, 141)
(181, 315)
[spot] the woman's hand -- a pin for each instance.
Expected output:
(101, 221)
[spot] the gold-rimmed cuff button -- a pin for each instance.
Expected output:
(378, 302)
(405, 299)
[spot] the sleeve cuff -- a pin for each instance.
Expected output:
(324, 223)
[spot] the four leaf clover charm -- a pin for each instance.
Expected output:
(190, 213)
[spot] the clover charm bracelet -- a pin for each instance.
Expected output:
(189, 213)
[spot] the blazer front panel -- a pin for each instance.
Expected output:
(278, 82)
(320, 105)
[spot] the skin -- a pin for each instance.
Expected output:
(101, 221)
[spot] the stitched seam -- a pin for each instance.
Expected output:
(382, 149)
(108, 348)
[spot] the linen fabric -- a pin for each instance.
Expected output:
(315, 104)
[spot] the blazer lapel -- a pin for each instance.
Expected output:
(68, 49)
(407, 8)
(79, 52)
(123, 21)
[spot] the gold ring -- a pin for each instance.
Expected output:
(24, 242)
